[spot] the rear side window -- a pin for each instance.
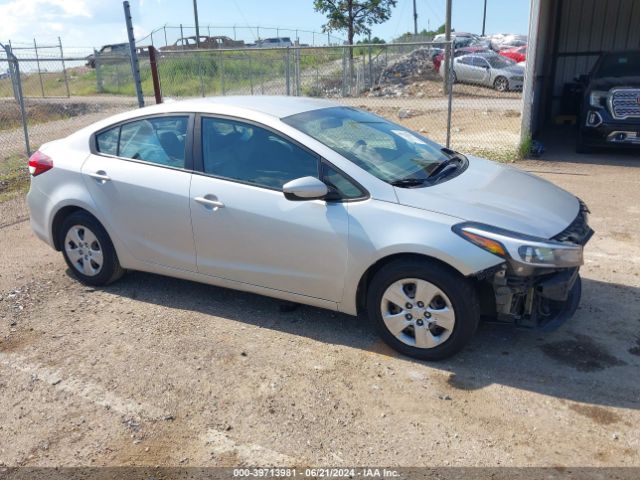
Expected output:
(107, 142)
(158, 140)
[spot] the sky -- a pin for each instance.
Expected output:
(92, 23)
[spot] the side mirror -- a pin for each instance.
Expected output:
(305, 188)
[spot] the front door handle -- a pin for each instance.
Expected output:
(100, 175)
(209, 202)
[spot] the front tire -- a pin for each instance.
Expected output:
(422, 309)
(501, 84)
(88, 250)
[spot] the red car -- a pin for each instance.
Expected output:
(519, 54)
(437, 60)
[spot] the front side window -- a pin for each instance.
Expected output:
(384, 149)
(251, 154)
(158, 140)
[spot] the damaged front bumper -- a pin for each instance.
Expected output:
(536, 297)
(542, 300)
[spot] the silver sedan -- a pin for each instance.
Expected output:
(488, 69)
(312, 202)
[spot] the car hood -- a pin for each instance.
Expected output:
(498, 195)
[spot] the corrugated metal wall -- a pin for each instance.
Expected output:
(588, 27)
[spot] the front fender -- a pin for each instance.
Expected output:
(405, 230)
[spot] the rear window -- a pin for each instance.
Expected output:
(619, 65)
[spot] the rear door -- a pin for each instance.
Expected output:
(139, 174)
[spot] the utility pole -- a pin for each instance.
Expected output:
(135, 66)
(415, 18)
(448, 69)
(484, 17)
(448, 51)
(195, 16)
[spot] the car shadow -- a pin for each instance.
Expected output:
(593, 358)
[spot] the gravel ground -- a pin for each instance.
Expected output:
(157, 371)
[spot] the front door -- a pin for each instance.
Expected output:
(246, 230)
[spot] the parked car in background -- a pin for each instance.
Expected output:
(501, 41)
(314, 202)
(274, 42)
(112, 50)
(437, 60)
(488, 69)
(189, 43)
(517, 54)
(609, 114)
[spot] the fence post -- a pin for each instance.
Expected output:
(35, 46)
(64, 68)
(181, 37)
(135, 66)
(450, 96)
(153, 64)
(14, 70)
(222, 73)
(297, 68)
(287, 72)
(250, 72)
(370, 66)
(96, 63)
(344, 72)
(200, 72)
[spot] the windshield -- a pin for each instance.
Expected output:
(384, 149)
(619, 65)
(497, 61)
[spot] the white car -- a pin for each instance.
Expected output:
(317, 203)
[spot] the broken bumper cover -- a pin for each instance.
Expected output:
(545, 301)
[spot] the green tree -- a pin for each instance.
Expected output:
(354, 16)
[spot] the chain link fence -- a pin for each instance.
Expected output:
(403, 82)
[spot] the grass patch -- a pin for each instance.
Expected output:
(524, 150)
(14, 177)
(498, 155)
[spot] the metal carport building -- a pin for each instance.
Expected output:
(565, 39)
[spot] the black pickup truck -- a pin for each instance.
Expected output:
(609, 114)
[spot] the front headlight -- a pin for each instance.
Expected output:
(597, 98)
(526, 249)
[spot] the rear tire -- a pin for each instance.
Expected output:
(427, 331)
(88, 250)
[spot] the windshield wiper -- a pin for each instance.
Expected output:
(409, 182)
(455, 160)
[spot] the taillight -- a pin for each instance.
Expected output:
(39, 163)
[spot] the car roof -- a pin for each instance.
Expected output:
(241, 105)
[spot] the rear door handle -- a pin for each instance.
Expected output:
(210, 203)
(100, 175)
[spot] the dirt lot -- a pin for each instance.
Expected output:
(156, 371)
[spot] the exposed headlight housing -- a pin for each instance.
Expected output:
(525, 249)
(598, 98)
